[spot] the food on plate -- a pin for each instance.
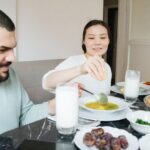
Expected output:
(98, 106)
(142, 122)
(104, 140)
(122, 90)
(123, 141)
(97, 132)
(147, 83)
(88, 139)
(147, 101)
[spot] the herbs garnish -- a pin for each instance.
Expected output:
(142, 122)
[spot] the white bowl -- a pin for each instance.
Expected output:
(144, 115)
(119, 101)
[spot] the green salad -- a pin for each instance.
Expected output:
(142, 122)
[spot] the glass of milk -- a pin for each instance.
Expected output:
(132, 83)
(67, 108)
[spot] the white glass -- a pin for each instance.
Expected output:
(132, 83)
(67, 108)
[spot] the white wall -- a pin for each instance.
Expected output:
(122, 38)
(9, 7)
(140, 28)
(49, 29)
(133, 49)
(139, 39)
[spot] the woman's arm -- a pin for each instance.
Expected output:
(51, 80)
(94, 66)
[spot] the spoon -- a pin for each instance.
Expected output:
(102, 98)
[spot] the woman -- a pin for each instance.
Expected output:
(89, 69)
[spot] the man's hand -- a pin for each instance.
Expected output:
(52, 106)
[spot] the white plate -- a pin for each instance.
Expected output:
(82, 123)
(119, 101)
(103, 116)
(132, 140)
(144, 89)
(143, 86)
(144, 142)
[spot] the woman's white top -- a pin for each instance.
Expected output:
(90, 83)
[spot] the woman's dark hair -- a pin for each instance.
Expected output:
(6, 22)
(93, 23)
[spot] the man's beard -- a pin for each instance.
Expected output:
(4, 78)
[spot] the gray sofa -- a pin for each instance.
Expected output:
(31, 73)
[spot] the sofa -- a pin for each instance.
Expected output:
(31, 73)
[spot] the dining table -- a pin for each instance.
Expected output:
(45, 131)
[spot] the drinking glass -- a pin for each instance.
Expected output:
(67, 108)
(132, 83)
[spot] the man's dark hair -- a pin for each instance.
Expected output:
(6, 22)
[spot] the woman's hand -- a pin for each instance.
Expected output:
(95, 66)
(80, 86)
